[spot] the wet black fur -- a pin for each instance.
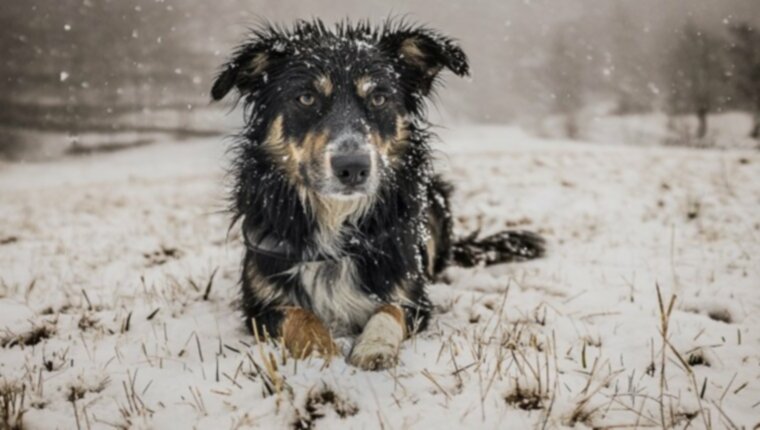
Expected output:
(388, 243)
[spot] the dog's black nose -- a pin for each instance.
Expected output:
(351, 169)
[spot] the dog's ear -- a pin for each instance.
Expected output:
(421, 53)
(247, 69)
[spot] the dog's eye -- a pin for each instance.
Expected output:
(378, 100)
(306, 99)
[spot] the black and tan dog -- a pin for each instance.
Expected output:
(343, 218)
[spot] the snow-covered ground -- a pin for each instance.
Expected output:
(118, 288)
(728, 130)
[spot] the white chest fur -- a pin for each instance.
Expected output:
(335, 295)
(333, 286)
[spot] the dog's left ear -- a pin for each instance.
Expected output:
(421, 53)
(246, 71)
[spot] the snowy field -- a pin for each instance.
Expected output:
(118, 290)
(727, 130)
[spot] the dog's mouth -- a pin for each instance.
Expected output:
(335, 190)
(352, 193)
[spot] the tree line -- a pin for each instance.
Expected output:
(78, 65)
(701, 72)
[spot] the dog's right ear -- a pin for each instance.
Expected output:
(422, 53)
(246, 71)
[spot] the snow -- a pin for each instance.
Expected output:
(727, 130)
(126, 262)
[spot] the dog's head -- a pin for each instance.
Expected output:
(333, 106)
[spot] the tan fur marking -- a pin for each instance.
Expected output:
(283, 151)
(324, 85)
(381, 144)
(363, 86)
(303, 334)
(275, 138)
(259, 63)
(264, 290)
(308, 150)
(289, 154)
(314, 144)
(394, 147)
(431, 246)
(396, 312)
(401, 139)
(332, 212)
(435, 230)
(411, 52)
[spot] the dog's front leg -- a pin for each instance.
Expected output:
(378, 345)
(303, 333)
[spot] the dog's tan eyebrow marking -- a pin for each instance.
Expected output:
(324, 85)
(364, 85)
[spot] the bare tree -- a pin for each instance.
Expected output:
(695, 75)
(745, 68)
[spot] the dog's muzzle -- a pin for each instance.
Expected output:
(351, 169)
(351, 160)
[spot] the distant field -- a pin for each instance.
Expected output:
(120, 131)
(725, 130)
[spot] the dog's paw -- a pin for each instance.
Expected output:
(304, 334)
(378, 345)
(374, 354)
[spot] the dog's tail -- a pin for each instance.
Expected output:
(502, 247)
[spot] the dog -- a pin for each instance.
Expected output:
(343, 218)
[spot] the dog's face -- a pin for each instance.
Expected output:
(332, 106)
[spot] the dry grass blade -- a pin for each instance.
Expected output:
(210, 283)
(12, 409)
(664, 321)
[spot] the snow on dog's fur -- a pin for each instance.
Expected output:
(341, 211)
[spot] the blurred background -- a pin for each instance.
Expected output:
(83, 76)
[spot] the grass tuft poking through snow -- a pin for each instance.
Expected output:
(12, 395)
(28, 338)
(321, 402)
